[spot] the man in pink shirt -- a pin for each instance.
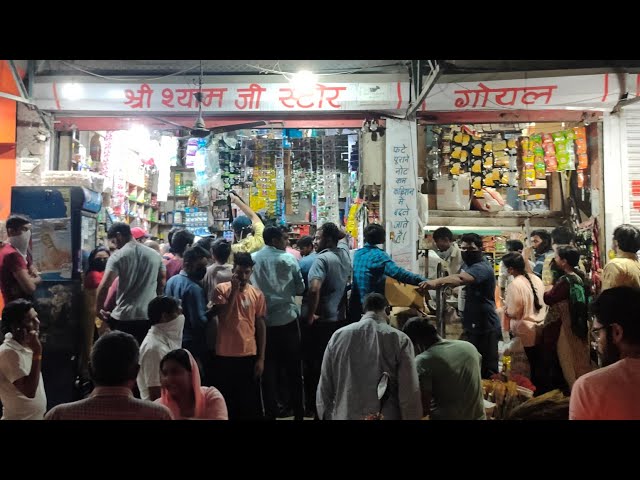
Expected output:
(115, 362)
(613, 391)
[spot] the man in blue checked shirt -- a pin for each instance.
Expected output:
(371, 265)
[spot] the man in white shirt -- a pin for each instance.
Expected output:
(21, 387)
(356, 358)
(165, 334)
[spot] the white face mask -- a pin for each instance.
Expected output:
(173, 331)
(21, 242)
(444, 255)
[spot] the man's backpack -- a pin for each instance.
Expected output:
(578, 306)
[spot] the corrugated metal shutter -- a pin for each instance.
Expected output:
(633, 157)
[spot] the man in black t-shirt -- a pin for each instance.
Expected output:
(480, 321)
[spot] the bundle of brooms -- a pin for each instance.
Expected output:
(552, 405)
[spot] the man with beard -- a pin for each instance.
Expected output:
(613, 391)
(186, 287)
(624, 270)
(541, 243)
(480, 320)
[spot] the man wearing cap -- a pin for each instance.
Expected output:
(248, 229)
(140, 235)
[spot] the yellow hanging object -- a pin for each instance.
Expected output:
(477, 150)
(488, 180)
(477, 183)
(488, 147)
(456, 153)
(477, 166)
(352, 224)
(465, 140)
(455, 169)
(464, 155)
(458, 137)
(511, 143)
(488, 162)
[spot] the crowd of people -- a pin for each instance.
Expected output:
(254, 329)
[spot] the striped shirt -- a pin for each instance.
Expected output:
(109, 403)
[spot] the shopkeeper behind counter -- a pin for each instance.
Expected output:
(247, 229)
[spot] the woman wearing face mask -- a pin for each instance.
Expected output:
(182, 392)
(186, 286)
(97, 263)
(165, 335)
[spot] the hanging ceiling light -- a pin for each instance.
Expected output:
(304, 82)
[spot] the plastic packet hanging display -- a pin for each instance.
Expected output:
(570, 138)
(581, 179)
(539, 163)
(549, 153)
(581, 147)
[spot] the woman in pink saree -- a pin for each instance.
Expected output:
(182, 392)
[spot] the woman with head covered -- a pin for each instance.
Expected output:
(182, 392)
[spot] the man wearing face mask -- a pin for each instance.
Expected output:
(18, 278)
(165, 335)
(187, 287)
(613, 391)
(480, 321)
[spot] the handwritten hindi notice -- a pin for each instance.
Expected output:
(401, 192)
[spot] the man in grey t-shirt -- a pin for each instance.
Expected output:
(325, 301)
(141, 277)
(449, 374)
